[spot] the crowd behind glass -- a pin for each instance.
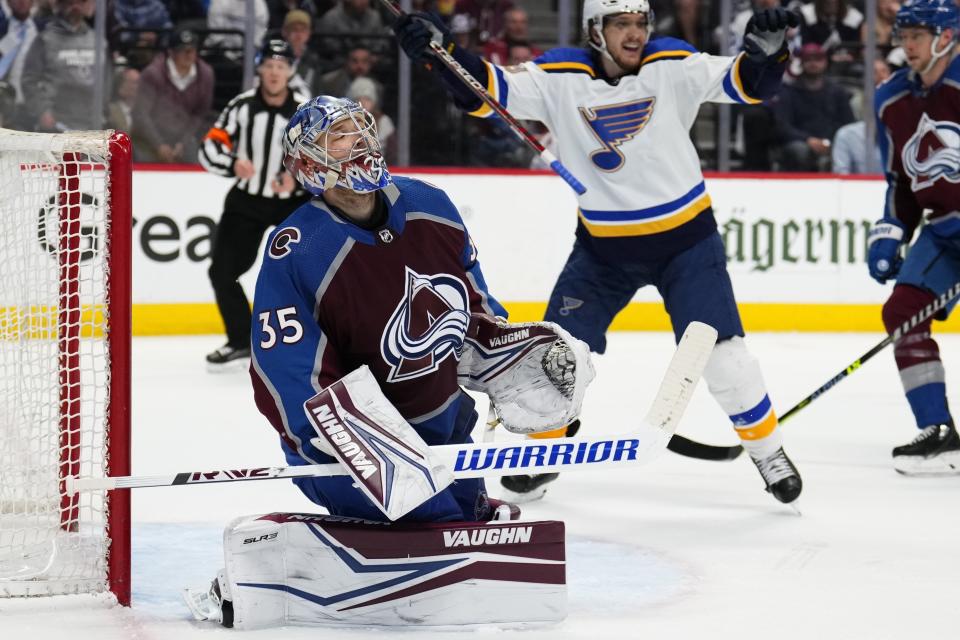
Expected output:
(172, 65)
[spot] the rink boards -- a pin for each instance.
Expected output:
(796, 246)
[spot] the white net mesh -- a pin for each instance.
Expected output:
(54, 365)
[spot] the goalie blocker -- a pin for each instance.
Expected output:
(301, 569)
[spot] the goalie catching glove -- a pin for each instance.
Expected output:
(535, 373)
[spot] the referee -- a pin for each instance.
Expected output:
(245, 143)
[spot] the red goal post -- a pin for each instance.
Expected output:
(65, 237)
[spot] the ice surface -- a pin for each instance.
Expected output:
(675, 549)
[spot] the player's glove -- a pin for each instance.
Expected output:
(883, 249)
(534, 373)
(766, 34)
(415, 32)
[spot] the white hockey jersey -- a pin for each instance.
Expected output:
(628, 142)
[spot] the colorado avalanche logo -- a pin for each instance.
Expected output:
(282, 239)
(613, 125)
(932, 153)
(428, 325)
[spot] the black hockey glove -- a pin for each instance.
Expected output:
(765, 37)
(415, 31)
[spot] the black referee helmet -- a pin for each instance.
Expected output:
(276, 49)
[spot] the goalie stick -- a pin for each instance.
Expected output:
(494, 459)
(683, 446)
(481, 92)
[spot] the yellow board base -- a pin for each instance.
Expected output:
(203, 318)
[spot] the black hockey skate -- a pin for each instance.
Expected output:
(782, 478)
(533, 487)
(227, 357)
(936, 450)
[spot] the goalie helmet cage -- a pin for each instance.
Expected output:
(65, 231)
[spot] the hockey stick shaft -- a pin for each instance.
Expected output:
(467, 461)
(921, 316)
(493, 459)
(481, 92)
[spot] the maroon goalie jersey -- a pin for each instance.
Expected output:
(919, 135)
(332, 297)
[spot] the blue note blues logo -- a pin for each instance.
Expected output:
(428, 325)
(932, 153)
(613, 125)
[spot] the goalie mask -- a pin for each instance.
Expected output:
(332, 142)
(594, 11)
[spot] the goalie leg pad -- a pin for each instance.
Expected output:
(735, 381)
(300, 569)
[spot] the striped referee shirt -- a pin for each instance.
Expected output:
(248, 128)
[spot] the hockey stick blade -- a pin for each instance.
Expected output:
(701, 451)
(686, 367)
(692, 449)
(494, 459)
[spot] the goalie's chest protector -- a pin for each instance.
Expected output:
(399, 301)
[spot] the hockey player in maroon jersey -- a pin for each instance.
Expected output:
(379, 272)
(370, 311)
(918, 127)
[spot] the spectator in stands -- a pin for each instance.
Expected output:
(280, 8)
(344, 21)
(462, 32)
(516, 29)
(141, 14)
(739, 24)
(188, 13)
(174, 104)
(809, 112)
(688, 23)
(359, 64)
(120, 112)
(849, 143)
(21, 31)
(139, 47)
(59, 73)
(232, 14)
(831, 23)
(886, 20)
(487, 17)
(43, 12)
(494, 144)
(365, 91)
(297, 29)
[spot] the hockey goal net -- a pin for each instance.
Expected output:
(65, 233)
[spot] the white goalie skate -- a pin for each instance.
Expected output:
(214, 604)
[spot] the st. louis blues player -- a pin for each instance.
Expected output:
(370, 309)
(620, 110)
(918, 126)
